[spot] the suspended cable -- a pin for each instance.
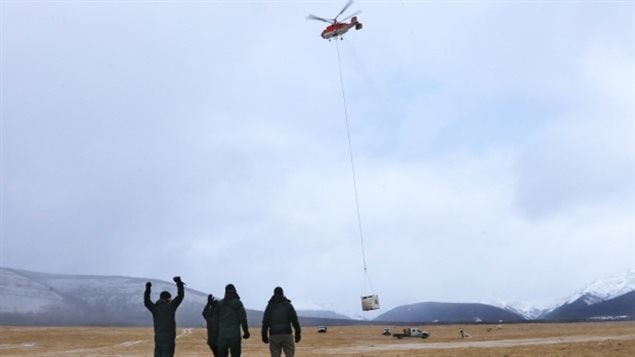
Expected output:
(350, 151)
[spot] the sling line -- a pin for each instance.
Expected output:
(350, 151)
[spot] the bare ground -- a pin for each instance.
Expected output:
(579, 339)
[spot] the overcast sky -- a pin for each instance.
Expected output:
(493, 145)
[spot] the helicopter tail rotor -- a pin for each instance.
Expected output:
(351, 15)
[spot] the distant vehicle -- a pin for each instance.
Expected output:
(412, 332)
(386, 332)
(338, 28)
(322, 329)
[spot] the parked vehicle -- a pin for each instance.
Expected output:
(412, 332)
(386, 332)
(322, 329)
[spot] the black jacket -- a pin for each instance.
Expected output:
(208, 314)
(229, 316)
(163, 313)
(279, 316)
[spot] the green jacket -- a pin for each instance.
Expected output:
(229, 316)
(208, 314)
(163, 314)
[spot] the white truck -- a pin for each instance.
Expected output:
(412, 332)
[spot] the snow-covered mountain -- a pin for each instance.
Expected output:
(596, 292)
(530, 310)
(604, 289)
(618, 308)
(611, 298)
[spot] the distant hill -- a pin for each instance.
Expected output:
(50, 299)
(618, 308)
(322, 314)
(427, 312)
(32, 298)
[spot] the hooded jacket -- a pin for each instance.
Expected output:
(229, 316)
(279, 316)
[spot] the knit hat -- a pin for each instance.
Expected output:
(229, 288)
(278, 291)
(165, 295)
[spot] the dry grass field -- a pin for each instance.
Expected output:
(580, 339)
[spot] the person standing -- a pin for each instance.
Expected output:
(163, 316)
(208, 314)
(229, 316)
(276, 325)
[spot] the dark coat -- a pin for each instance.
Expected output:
(229, 316)
(208, 314)
(279, 316)
(163, 313)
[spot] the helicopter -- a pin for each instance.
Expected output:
(338, 28)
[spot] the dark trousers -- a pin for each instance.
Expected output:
(164, 349)
(214, 350)
(225, 347)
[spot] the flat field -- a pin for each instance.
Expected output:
(536, 339)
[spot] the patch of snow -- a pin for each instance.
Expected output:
(611, 318)
(16, 346)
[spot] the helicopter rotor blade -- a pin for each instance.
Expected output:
(351, 15)
(344, 9)
(313, 17)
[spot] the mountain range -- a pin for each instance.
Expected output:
(33, 298)
(605, 299)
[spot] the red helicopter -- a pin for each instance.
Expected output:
(338, 28)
